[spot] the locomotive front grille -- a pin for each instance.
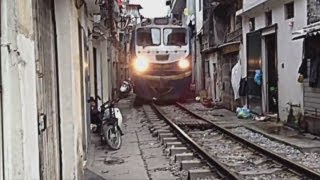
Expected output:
(162, 57)
(164, 67)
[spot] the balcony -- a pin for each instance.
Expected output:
(234, 35)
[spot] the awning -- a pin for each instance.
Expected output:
(225, 48)
(311, 30)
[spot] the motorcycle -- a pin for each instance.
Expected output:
(125, 89)
(110, 125)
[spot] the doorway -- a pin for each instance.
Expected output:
(95, 70)
(47, 90)
(272, 73)
(84, 88)
(254, 97)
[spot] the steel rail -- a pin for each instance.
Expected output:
(210, 159)
(282, 160)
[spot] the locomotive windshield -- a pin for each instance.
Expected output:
(148, 37)
(175, 36)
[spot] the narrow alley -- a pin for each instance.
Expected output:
(166, 89)
(145, 154)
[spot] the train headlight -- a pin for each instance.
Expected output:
(141, 64)
(184, 64)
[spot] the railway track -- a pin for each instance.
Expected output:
(227, 155)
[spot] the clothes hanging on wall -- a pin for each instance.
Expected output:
(303, 69)
(235, 79)
(243, 87)
(314, 71)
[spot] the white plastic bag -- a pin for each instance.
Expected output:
(235, 79)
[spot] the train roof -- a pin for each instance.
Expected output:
(160, 21)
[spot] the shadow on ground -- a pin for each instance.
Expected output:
(89, 175)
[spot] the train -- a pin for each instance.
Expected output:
(161, 63)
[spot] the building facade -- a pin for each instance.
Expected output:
(267, 47)
(308, 76)
(220, 48)
(51, 56)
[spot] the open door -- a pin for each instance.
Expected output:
(272, 73)
(254, 63)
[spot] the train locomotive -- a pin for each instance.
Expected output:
(161, 60)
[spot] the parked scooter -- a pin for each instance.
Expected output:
(110, 125)
(125, 89)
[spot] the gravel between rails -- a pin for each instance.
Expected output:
(249, 164)
(310, 160)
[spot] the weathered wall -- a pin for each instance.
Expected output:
(313, 11)
(103, 69)
(21, 152)
(19, 74)
(289, 52)
(70, 87)
(85, 27)
(215, 89)
(199, 15)
(198, 68)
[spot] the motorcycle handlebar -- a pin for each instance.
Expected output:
(108, 104)
(103, 106)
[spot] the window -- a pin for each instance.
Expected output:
(175, 36)
(207, 68)
(148, 37)
(252, 24)
(289, 10)
(268, 18)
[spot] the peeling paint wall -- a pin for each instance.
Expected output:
(21, 155)
(71, 99)
(19, 53)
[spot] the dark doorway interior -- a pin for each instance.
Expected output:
(254, 65)
(272, 77)
(95, 72)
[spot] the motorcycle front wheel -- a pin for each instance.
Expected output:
(112, 136)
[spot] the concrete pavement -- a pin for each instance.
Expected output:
(140, 157)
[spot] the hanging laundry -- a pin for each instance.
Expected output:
(303, 70)
(243, 87)
(314, 72)
(235, 80)
(258, 77)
